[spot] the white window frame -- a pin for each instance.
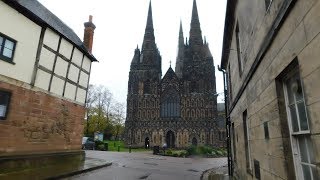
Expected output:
(294, 136)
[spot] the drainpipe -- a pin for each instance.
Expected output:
(228, 123)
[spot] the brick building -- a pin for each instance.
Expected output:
(179, 109)
(271, 59)
(44, 76)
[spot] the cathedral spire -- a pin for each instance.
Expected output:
(180, 56)
(181, 38)
(195, 30)
(149, 40)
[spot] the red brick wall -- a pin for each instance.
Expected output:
(39, 122)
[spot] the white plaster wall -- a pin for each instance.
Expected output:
(77, 57)
(42, 80)
(57, 86)
(27, 35)
(83, 79)
(65, 48)
(81, 95)
(46, 59)
(86, 64)
(61, 67)
(51, 39)
(73, 73)
(70, 91)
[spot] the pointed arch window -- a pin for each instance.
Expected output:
(146, 87)
(170, 104)
(193, 87)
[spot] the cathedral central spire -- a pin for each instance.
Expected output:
(195, 30)
(149, 39)
(180, 56)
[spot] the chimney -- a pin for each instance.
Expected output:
(88, 34)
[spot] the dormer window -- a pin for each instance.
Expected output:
(7, 47)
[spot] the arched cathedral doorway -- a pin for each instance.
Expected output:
(147, 143)
(170, 139)
(194, 141)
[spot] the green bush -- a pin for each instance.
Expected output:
(219, 153)
(205, 150)
(183, 154)
(101, 147)
(192, 150)
(169, 152)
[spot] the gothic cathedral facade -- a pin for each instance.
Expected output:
(179, 109)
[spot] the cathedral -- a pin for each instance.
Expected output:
(180, 108)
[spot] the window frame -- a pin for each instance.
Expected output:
(7, 105)
(238, 44)
(5, 58)
(246, 133)
(286, 78)
(301, 135)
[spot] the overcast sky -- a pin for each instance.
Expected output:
(120, 28)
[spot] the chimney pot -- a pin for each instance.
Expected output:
(90, 18)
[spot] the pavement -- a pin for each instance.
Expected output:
(145, 165)
(89, 164)
(220, 173)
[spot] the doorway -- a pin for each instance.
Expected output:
(170, 139)
(147, 143)
(194, 141)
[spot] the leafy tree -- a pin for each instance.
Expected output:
(104, 114)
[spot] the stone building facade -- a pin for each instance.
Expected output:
(44, 76)
(179, 109)
(271, 59)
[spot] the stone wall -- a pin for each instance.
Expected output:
(39, 122)
(298, 38)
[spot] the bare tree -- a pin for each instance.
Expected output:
(99, 100)
(118, 110)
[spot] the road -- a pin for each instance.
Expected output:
(144, 165)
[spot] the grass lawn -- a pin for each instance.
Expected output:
(113, 146)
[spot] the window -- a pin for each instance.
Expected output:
(239, 49)
(193, 87)
(7, 46)
(299, 127)
(234, 142)
(229, 83)
(170, 104)
(246, 140)
(146, 87)
(4, 104)
(267, 4)
(266, 130)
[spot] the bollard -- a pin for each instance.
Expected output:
(129, 148)
(118, 148)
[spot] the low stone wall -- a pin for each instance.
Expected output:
(40, 165)
(39, 122)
